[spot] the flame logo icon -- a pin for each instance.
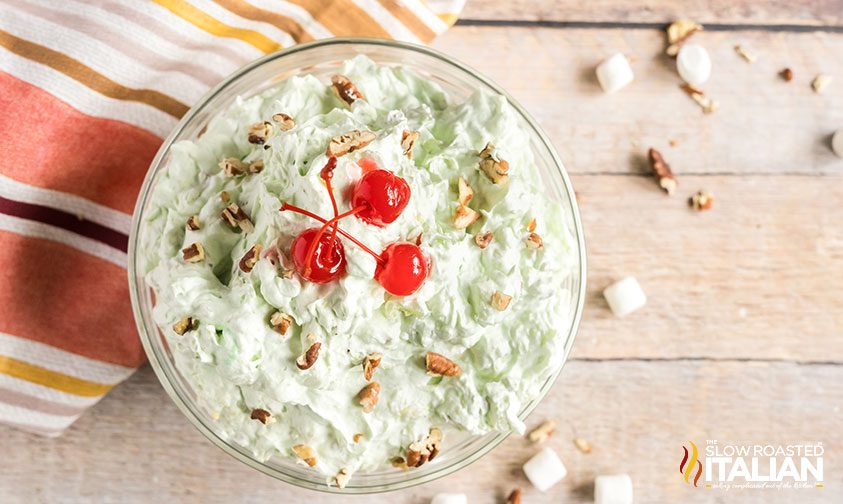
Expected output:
(686, 468)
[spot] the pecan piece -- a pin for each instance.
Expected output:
(345, 89)
(438, 364)
(500, 301)
(232, 167)
(236, 217)
(260, 132)
(358, 437)
(284, 121)
(662, 170)
(193, 223)
(308, 359)
(225, 197)
(464, 217)
(349, 142)
(787, 74)
(368, 396)
(305, 453)
(184, 325)
(534, 241)
(495, 168)
(465, 191)
(543, 432)
(678, 32)
(582, 445)
(370, 362)
(250, 258)
(256, 166)
(701, 201)
(746, 55)
(707, 104)
(820, 82)
(342, 478)
(280, 322)
(422, 451)
(408, 140)
(399, 463)
(194, 253)
(514, 497)
(483, 239)
(262, 416)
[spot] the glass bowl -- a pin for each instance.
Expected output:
(323, 58)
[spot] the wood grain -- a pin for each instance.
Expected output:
(764, 124)
(798, 12)
(136, 444)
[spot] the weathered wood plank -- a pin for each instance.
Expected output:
(764, 124)
(637, 415)
(799, 12)
(758, 276)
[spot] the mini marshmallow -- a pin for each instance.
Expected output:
(625, 296)
(837, 142)
(693, 64)
(613, 489)
(545, 469)
(449, 498)
(614, 73)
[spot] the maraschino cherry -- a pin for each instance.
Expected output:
(320, 258)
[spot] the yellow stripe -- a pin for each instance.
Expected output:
(691, 462)
(449, 17)
(53, 379)
(213, 26)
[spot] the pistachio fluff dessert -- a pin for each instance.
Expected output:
(349, 273)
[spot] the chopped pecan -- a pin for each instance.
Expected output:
(543, 432)
(464, 217)
(787, 74)
(184, 325)
(514, 497)
(662, 170)
(531, 226)
(678, 32)
(193, 223)
(342, 478)
(280, 322)
(236, 217)
(746, 55)
(349, 142)
(408, 140)
(284, 121)
(701, 201)
(706, 104)
(820, 82)
(582, 445)
(233, 167)
(345, 89)
(495, 168)
(534, 241)
(194, 253)
(422, 451)
(305, 453)
(308, 359)
(399, 463)
(260, 132)
(256, 166)
(500, 301)
(370, 362)
(368, 396)
(225, 197)
(438, 364)
(358, 437)
(465, 191)
(483, 239)
(262, 416)
(250, 258)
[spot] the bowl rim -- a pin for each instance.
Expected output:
(152, 352)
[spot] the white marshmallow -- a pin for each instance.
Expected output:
(614, 73)
(613, 489)
(625, 296)
(837, 142)
(449, 498)
(693, 64)
(545, 469)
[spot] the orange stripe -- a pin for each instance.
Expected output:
(280, 21)
(54, 294)
(212, 25)
(409, 19)
(88, 76)
(53, 379)
(343, 18)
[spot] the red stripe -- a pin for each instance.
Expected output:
(55, 294)
(58, 218)
(49, 144)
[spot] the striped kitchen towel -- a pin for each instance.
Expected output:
(88, 91)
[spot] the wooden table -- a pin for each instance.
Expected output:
(742, 338)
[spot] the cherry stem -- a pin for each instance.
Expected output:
(311, 251)
(327, 174)
(287, 206)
